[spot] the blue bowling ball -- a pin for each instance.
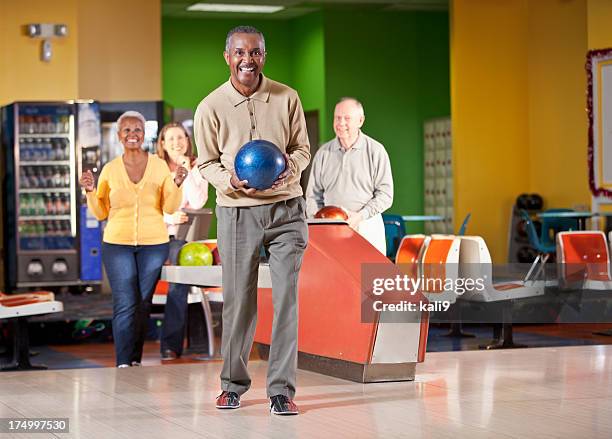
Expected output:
(260, 163)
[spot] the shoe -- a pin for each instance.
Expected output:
(123, 366)
(282, 405)
(168, 355)
(136, 364)
(228, 400)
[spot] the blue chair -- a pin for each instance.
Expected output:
(552, 226)
(395, 229)
(544, 249)
(464, 224)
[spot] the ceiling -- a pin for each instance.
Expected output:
(296, 8)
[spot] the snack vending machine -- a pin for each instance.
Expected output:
(46, 233)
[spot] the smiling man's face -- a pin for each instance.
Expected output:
(245, 57)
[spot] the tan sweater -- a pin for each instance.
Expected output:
(134, 210)
(225, 120)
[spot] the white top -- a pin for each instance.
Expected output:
(195, 194)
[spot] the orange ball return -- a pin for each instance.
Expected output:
(333, 338)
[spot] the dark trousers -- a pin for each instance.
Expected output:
(133, 272)
(175, 314)
(241, 232)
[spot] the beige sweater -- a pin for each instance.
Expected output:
(225, 120)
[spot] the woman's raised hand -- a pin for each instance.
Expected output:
(87, 181)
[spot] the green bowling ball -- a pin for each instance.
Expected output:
(195, 254)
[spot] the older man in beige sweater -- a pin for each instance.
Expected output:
(247, 107)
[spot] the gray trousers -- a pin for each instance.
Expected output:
(241, 232)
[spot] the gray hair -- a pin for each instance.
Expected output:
(354, 101)
(134, 114)
(243, 30)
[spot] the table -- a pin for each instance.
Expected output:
(580, 216)
(423, 218)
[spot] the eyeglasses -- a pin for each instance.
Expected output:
(255, 53)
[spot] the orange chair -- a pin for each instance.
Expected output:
(440, 265)
(17, 308)
(411, 248)
(410, 253)
(583, 260)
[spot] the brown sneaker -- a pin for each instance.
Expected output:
(228, 400)
(282, 405)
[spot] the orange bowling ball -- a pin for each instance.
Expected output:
(332, 212)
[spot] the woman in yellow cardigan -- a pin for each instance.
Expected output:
(133, 192)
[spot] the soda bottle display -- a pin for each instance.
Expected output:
(65, 203)
(57, 177)
(49, 125)
(66, 176)
(32, 178)
(59, 206)
(59, 151)
(66, 145)
(40, 206)
(53, 150)
(44, 149)
(41, 177)
(49, 204)
(29, 206)
(48, 172)
(24, 205)
(24, 180)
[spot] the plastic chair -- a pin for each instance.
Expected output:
(544, 250)
(411, 248)
(440, 263)
(410, 253)
(395, 229)
(584, 260)
(464, 224)
(556, 225)
(475, 263)
(534, 239)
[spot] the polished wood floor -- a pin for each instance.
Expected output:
(563, 392)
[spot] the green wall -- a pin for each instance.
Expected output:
(308, 74)
(396, 63)
(192, 56)
(401, 76)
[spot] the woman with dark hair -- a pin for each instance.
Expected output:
(134, 190)
(174, 146)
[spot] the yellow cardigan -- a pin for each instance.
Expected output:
(135, 210)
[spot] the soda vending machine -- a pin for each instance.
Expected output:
(47, 234)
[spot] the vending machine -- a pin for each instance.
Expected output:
(47, 234)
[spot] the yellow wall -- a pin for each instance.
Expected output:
(489, 78)
(22, 75)
(518, 105)
(120, 50)
(557, 101)
(112, 52)
(599, 19)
